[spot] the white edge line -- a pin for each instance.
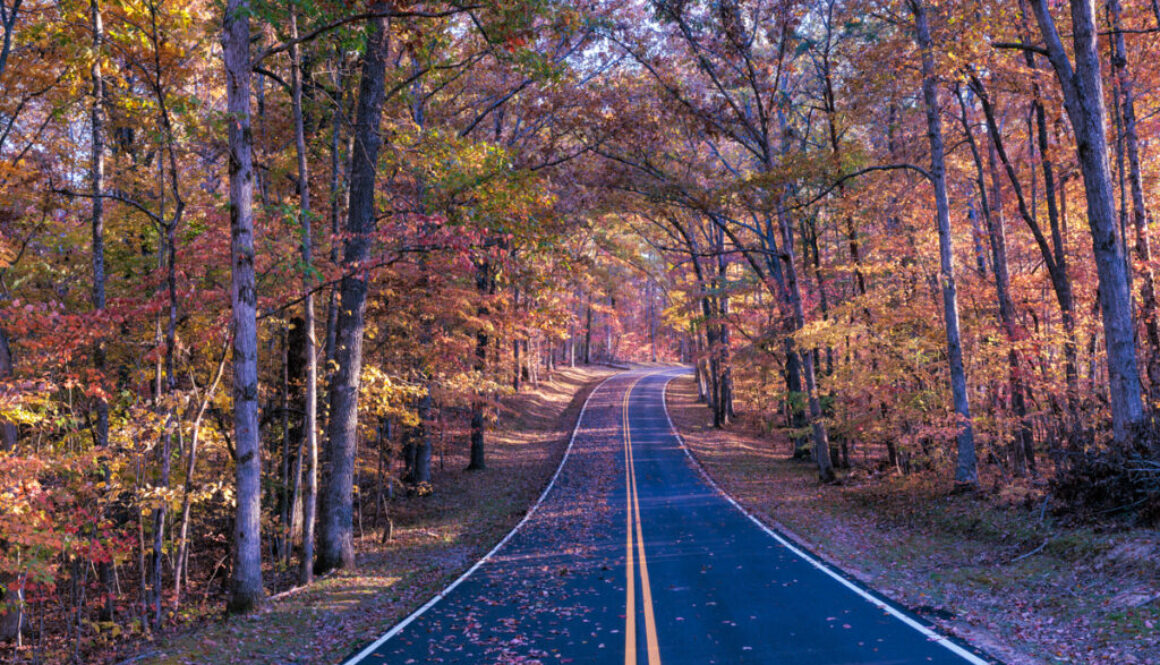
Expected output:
(930, 634)
(486, 557)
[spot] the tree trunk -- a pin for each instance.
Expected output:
(9, 434)
(336, 546)
(588, 335)
(992, 208)
(161, 514)
(1139, 209)
(966, 472)
(796, 399)
(809, 372)
(97, 176)
(11, 609)
(996, 234)
(180, 569)
(1084, 102)
(310, 424)
(246, 591)
(485, 286)
(726, 404)
(1060, 279)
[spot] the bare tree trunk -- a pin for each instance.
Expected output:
(12, 611)
(419, 472)
(97, 180)
(966, 471)
(310, 426)
(9, 434)
(1083, 99)
(992, 208)
(187, 495)
(1021, 446)
(588, 335)
(97, 177)
(246, 592)
(1060, 279)
(1139, 209)
(726, 404)
(336, 546)
(161, 514)
(796, 398)
(485, 286)
(282, 491)
(809, 372)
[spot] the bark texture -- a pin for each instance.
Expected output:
(1083, 97)
(335, 545)
(246, 591)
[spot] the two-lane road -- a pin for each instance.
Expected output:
(633, 556)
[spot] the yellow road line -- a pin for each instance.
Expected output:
(651, 641)
(630, 573)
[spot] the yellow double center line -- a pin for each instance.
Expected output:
(633, 525)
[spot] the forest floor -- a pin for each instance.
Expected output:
(435, 538)
(993, 569)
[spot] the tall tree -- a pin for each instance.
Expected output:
(246, 592)
(1127, 106)
(336, 545)
(1083, 98)
(305, 215)
(966, 469)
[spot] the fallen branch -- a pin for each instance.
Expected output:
(1037, 550)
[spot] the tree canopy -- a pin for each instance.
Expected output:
(246, 246)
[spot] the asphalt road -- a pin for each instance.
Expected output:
(633, 556)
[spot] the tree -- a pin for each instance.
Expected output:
(246, 592)
(1083, 96)
(966, 471)
(336, 547)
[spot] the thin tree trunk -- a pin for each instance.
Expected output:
(1060, 279)
(966, 472)
(161, 514)
(726, 404)
(1139, 209)
(182, 560)
(282, 534)
(588, 334)
(310, 426)
(809, 372)
(1021, 445)
(9, 434)
(97, 177)
(485, 286)
(992, 207)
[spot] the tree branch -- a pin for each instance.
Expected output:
(364, 16)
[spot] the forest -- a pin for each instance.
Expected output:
(263, 261)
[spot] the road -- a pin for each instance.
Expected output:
(633, 556)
